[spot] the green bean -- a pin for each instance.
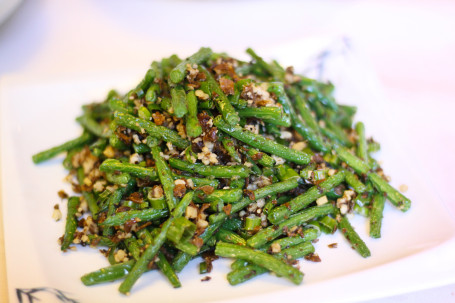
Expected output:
(182, 259)
(120, 179)
(92, 203)
(297, 251)
(262, 158)
(373, 146)
(283, 212)
(303, 109)
(152, 93)
(113, 200)
(97, 147)
(113, 165)
(229, 145)
(339, 133)
(285, 172)
(232, 224)
(229, 237)
(272, 232)
(376, 215)
(193, 128)
(71, 222)
(362, 148)
(353, 181)
(308, 234)
(351, 235)
(167, 270)
(357, 164)
(108, 274)
(252, 223)
(297, 123)
(328, 224)
(272, 115)
(222, 102)
(164, 173)
(198, 182)
(274, 71)
(217, 171)
(149, 214)
(141, 264)
(96, 240)
(259, 258)
(179, 102)
(245, 273)
(393, 195)
(145, 83)
(151, 128)
(181, 230)
(85, 138)
(120, 106)
(68, 161)
(262, 143)
(94, 127)
(231, 195)
(178, 73)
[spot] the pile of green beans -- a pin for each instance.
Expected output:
(216, 156)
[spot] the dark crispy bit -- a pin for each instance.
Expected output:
(209, 257)
(207, 189)
(227, 86)
(136, 197)
(62, 194)
(179, 190)
(227, 209)
(204, 119)
(313, 257)
(124, 134)
(250, 194)
(158, 118)
(210, 134)
(257, 156)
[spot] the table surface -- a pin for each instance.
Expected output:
(410, 45)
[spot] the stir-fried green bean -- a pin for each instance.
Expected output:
(214, 157)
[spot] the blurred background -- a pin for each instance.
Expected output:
(410, 46)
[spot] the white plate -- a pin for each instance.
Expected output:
(415, 251)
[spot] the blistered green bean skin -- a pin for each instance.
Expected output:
(357, 164)
(193, 128)
(217, 171)
(71, 222)
(376, 215)
(179, 101)
(259, 258)
(108, 274)
(393, 195)
(144, 215)
(164, 173)
(351, 235)
(54, 151)
(112, 165)
(285, 211)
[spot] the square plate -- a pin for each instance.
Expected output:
(415, 251)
